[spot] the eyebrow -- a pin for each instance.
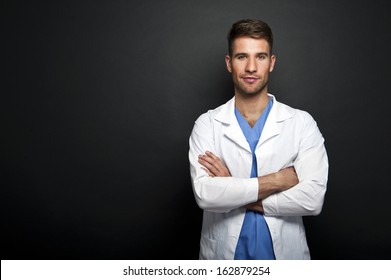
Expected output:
(246, 54)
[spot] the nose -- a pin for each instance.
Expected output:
(251, 65)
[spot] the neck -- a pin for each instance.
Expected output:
(251, 106)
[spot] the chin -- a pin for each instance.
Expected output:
(250, 93)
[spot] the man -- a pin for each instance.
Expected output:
(257, 165)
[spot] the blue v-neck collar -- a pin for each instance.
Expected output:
(253, 134)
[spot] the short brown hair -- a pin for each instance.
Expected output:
(256, 29)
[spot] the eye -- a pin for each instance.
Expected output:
(261, 57)
(241, 57)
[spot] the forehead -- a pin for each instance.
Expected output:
(250, 45)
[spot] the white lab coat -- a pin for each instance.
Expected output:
(290, 138)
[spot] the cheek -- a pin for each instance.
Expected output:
(237, 70)
(266, 69)
(237, 66)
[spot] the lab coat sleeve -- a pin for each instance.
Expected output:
(215, 194)
(311, 165)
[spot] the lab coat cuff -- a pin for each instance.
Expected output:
(252, 194)
(270, 205)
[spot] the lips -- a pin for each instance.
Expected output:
(250, 79)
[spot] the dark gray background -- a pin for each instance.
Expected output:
(98, 100)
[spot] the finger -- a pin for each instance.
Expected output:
(212, 155)
(210, 159)
(210, 166)
(216, 162)
(219, 165)
(208, 172)
(220, 169)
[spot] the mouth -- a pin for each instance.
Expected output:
(250, 79)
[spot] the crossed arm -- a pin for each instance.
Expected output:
(267, 184)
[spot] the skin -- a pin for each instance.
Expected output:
(250, 65)
(268, 184)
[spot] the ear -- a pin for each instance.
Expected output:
(272, 62)
(228, 63)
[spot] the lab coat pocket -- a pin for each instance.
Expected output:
(207, 248)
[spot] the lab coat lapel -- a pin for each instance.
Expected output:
(273, 125)
(233, 130)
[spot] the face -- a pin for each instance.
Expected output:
(250, 65)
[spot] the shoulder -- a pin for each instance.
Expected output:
(297, 120)
(301, 125)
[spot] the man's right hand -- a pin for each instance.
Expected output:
(213, 165)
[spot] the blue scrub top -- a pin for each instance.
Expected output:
(255, 242)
